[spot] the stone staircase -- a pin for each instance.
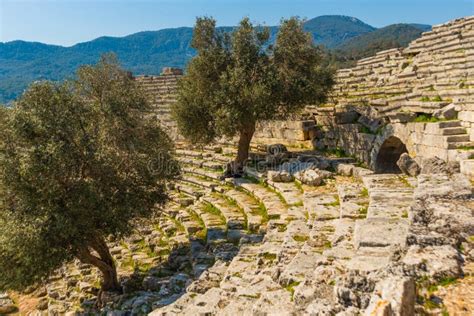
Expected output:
(377, 237)
(161, 92)
(454, 135)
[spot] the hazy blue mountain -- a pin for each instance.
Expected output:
(332, 30)
(423, 27)
(147, 52)
(365, 45)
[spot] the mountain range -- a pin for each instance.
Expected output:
(147, 52)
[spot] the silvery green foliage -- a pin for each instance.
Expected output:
(239, 79)
(79, 161)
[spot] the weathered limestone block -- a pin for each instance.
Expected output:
(467, 116)
(467, 167)
(380, 232)
(436, 261)
(279, 176)
(326, 120)
(7, 306)
(365, 141)
(393, 296)
(313, 177)
(448, 112)
(408, 165)
(435, 165)
(435, 141)
(424, 152)
(345, 169)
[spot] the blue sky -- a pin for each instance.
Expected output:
(66, 22)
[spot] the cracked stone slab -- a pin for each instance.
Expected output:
(380, 232)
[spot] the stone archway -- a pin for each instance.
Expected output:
(388, 155)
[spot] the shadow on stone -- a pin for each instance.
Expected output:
(388, 155)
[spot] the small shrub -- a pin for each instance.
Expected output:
(466, 148)
(211, 209)
(337, 202)
(300, 238)
(269, 256)
(365, 130)
(425, 99)
(364, 192)
(363, 210)
(447, 281)
(426, 118)
(291, 288)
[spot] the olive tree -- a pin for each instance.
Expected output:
(239, 79)
(80, 161)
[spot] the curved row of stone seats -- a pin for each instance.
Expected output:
(235, 218)
(293, 248)
(294, 245)
(192, 224)
(199, 181)
(292, 193)
(215, 224)
(210, 219)
(189, 189)
(239, 210)
(276, 208)
(146, 252)
(200, 172)
(255, 211)
(200, 163)
(251, 212)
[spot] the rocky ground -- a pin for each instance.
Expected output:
(297, 240)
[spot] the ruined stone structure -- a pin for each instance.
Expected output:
(418, 100)
(383, 106)
(318, 234)
(161, 91)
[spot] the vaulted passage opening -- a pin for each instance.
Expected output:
(389, 154)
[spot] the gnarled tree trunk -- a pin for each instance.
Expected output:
(104, 262)
(245, 137)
